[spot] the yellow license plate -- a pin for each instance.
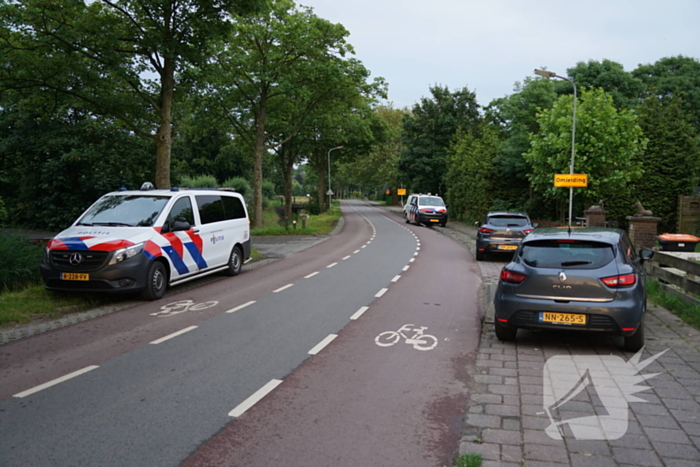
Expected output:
(507, 247)
(434, 220)
(562, 318)
(72, 276)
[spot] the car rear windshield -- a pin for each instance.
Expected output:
(430, 202)
(566, 254)
(508, 221)
(125, 210)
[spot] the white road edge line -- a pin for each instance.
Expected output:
(255, 398)
(282, 288)
(240, 307)
(321, 345)
(311, 275)
(355, 252)
(381, 292)
(347, 257)
(55, 381)
(359, 312)
(405, 268)
(396, 278)
(175, 334)
(331, 265)
(411, 260)
(364, 246)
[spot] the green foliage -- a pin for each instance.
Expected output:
(20, 264)
(3, 212)
(684, 309)
(674, 76)
(428, 132)
(624, 88)
(468, 460)
(241, 185)
(200, 181)
(53, 168)
(671, 161)
(470, 173)
(608, 146)
(268, 189)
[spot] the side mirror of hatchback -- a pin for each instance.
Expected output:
(645, 254)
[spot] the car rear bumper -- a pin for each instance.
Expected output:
(498, 245)
(619, 317)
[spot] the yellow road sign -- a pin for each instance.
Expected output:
(575, 180)
(401, 192)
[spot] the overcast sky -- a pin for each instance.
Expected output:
(488, 45)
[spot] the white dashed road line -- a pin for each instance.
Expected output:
(405, 268)
(331, 265)
(55, 381)
(359, 312)
(347, 257)
(321, 345)
(255, 398)
(396, 278)
(175, 334)
(240, 307)
(311, 275)
(381, 292)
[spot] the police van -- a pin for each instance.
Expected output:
(145, 240)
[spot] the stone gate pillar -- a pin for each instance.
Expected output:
(642, 230)
(595, 216)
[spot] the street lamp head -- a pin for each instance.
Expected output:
(545, 73)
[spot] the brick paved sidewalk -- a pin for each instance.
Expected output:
(506, 419)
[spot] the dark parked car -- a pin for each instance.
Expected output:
(587, 279)
(501, 232)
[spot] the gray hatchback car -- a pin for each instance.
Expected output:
(586, 279)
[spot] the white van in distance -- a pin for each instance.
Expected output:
(144, 241)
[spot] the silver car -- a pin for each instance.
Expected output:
(586, 279)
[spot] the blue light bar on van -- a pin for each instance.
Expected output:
(174, 188)
(122, 188)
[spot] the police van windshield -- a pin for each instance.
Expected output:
(125, 211)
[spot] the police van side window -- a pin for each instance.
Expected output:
(233, 208)
(211, 208)
(181, 211)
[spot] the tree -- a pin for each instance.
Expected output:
(671, 161)
(471, 175)
(515, 116)
(674, 76)
(608, 146)
(376, 169)
(273, 71)
(624, 88)
(104, 53)
(428, 132)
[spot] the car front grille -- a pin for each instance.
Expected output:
(67, 260)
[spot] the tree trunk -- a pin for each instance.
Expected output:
(164, 136)
(288, 171)
(321, 167)
(258, 164)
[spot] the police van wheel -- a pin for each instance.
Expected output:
(156, 281)
(235, 262)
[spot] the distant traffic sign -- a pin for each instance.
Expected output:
(401, 192)
(330, 193)
(571, 180)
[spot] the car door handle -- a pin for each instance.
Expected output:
(195, 231)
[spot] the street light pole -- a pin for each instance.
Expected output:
(330, 192)
(551, 74)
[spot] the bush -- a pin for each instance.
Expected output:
(241, 185)
(3, 212)
(200, 181)
(268, 190)
(20, 265)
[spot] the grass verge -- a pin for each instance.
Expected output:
(688, 312)
(322, 224)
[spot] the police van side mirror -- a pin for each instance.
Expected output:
(180, 225)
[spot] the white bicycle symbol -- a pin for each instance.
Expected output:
(419, 340)
(175, 308)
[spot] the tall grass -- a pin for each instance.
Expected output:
(688, 312)
(20, 261)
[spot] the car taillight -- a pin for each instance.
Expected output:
(527, 231)
(512, 277)
(485, 230)
(624, 280)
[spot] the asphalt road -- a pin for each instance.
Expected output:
(152, 384)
